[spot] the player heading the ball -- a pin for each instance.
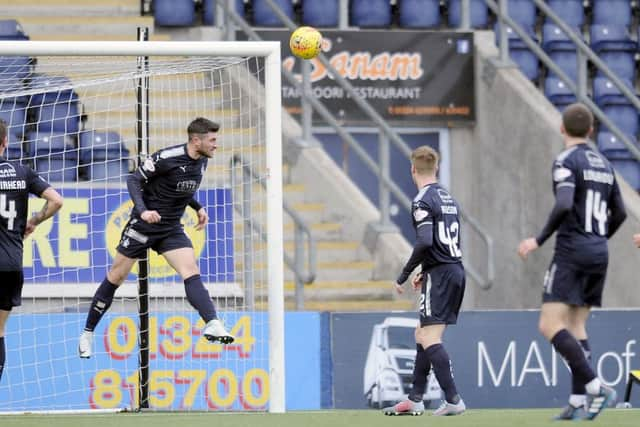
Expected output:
(161, 188)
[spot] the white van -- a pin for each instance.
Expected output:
(388, 371)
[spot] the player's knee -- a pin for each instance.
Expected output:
(116, 277)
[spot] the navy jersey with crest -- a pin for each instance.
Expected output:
(434, 206)
(171, 178)
(16, 183)
(436, 220)
(582, 236)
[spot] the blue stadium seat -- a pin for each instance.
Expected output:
(14, 111)
(56, 159)
(606, 93)
(625, 117)
(570, 11)
(523, 12)
(10, 29)
(612, 12)
(209, 11)
(174, 13)
(558, 93)
(51, 89)
(103, 154)
(629, 169)
(610, 145)
(419, 13)
(15, 69)
(527, 62)
(615, 47)
(478, 10)
(320, 14)
(56, 106)
(264, 16)
(554, 39)
(370, 13)
(519, 53)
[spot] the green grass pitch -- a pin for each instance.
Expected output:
(368, 418)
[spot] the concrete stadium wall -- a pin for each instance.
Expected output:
(501, 175)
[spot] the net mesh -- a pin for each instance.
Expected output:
(74, 121)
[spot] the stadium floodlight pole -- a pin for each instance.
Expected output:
(270, 51)
(142, 116)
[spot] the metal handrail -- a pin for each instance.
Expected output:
(483, 282)
(584, 50)
(296, 264)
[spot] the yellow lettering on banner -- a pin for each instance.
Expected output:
(70, 231)
(163, 392)
(179, 342)
(194, 379)
(128, 330)
(106, 391)
(261, 380)
(229, 382)
(39, 238)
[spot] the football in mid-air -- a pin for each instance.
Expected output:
(305, 42)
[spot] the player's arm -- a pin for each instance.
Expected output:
(148, 169)
(617, 211)
(53, 203)
(424, 240)
(565, 187)
(203, 217)
(562, 206)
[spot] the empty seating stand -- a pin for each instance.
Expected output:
(370, 13)
(519, 53)
(419, 13)
(209, 11)
(478, 13)
(56, 108)
(55, 156)
(103, 155)
(611, 12)
(320, 13)
(561, 49)
(264, 16)
(615, 48)
(570, 11)
(174, 13)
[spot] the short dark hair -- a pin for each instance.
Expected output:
(3, 130)
(201, 126)
(577, 120)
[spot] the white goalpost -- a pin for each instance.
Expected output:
(73, 114)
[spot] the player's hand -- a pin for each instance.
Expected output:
(417, 282)
(399, 288)
(30, 227)
(636, 239)
(527, 246)
(203, 218)
(150, 216)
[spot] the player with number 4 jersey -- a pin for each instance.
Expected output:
(436, 220)
(17, 181)
(588, 210)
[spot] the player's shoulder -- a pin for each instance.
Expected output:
(12, 168)
(566, 156)
(171, 152)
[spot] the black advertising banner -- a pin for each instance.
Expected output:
(411, 78)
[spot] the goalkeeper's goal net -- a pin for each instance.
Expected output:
(83, 114)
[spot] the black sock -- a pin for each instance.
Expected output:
(420, 373)
(100, 304)
(576, 386)
(568, 347)
(442, 368)
(199, 298)
(2, 356)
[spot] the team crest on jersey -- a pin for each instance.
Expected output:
(148, 165)
(420, 214)
(594, 160)
(444, 196)
(561, 174)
